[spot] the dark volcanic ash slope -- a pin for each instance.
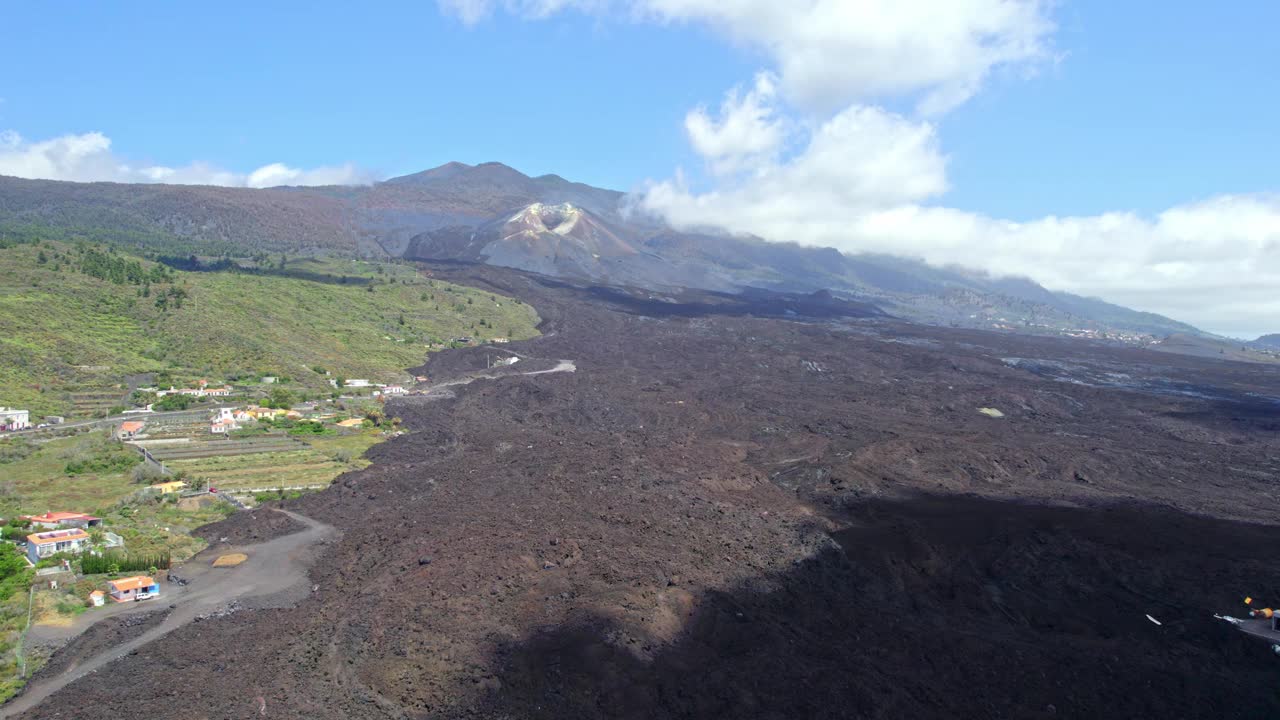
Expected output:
(721, 515)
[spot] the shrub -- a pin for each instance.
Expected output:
(16, 449)
(107, 462)
(15, 534)
(146, 474)
(174, 402)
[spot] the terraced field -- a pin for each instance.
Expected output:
(270, 462)
(223, 448)
(88, 403)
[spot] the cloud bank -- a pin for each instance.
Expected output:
(807, 152)
(89, 158)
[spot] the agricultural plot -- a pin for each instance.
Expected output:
(271, 461)
(263, 470)
(91, 403)
(226, 448)
(191, 424)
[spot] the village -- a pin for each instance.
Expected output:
(101, 521)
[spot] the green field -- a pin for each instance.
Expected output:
(69, 339)
(34, 477)
(39, 482)
(317, 462)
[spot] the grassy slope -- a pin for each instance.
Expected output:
(65, 331)
(39, 483)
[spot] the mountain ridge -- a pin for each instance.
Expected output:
(457, 211)
(1268, 342)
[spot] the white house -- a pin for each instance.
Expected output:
(223, 422)
(357, 383)
(43, 544)
(14, 419)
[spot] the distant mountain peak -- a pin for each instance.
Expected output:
(444, 172)
(1271, 341)
(452, 171)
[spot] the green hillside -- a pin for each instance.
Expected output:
(77, 320)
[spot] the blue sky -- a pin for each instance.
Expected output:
(1153, 104)
(397, 91)
(1163, 113)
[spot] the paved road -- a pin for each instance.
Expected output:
(275, 575)
(112, 420)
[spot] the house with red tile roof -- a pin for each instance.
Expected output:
(59, 519)
(129, 429)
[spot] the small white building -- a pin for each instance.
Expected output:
(357, 383)
(201, 390)
(223, 422)
(14, 419)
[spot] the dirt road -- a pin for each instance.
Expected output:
(439, 390)
(275, 575)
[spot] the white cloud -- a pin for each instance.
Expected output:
(861, 159)
(469, 12)
(809, 155)
(280, 174)
(1215, 264)
(88, 157)
(831, 52)
(748, 133)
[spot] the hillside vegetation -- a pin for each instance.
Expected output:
(76, 321)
